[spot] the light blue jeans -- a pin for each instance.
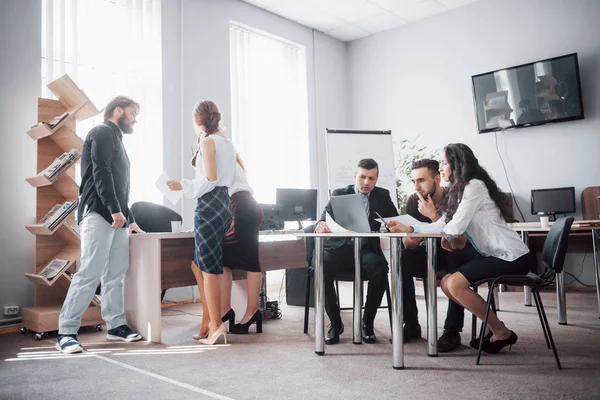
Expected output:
(105, 259)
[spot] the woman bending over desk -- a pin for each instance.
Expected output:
(472, 206)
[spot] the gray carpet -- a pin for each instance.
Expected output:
(280, 363)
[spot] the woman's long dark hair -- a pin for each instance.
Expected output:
(465, 167)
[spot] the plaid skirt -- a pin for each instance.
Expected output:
(212, 218)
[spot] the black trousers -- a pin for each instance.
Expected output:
(373, 268)
(414, 265)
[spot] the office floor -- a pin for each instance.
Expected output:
(280, 363)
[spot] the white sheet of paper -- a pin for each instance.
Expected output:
(405, 219)
(334, 227)
(161, 184)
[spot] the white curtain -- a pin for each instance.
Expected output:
(269, 110)
(110, 48)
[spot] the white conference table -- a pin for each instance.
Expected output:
(396, 289)
(525, 228)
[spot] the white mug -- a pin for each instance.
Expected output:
(175, 226)
(545, 221)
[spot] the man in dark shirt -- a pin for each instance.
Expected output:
(338, 254)
(106, 223)
(422, 206)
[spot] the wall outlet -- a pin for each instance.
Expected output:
(11, 310)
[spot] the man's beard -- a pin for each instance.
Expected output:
(432, 191)
(124, 126)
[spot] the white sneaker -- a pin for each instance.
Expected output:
(68, 345)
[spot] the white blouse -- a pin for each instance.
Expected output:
(225, 158)
(479, 218)
(240, 181)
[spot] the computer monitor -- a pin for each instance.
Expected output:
(297, 204)
(553, 201)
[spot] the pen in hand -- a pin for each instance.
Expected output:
(383, 221)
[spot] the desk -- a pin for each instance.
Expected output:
(578, 226)
(396, 295)
(162, 261)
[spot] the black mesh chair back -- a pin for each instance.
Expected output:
(553, 260)
(555, 248)
(152, 217)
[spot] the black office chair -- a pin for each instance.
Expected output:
(309, 247)
(152, 217)
(553, 260)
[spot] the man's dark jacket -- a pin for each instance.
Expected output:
(379, 201)
(104, 174)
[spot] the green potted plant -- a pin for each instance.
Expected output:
(407, 151)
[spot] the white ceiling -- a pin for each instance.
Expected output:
(348, 20)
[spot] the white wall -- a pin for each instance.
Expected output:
(416, 79)
(20, 80)
(196, 66)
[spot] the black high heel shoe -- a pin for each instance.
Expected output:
(229, 316)
(242, 329)
(475, 342)
(497, 345)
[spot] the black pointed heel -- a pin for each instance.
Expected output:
(229, 316)
(475, 342)
(497, 345)
(242, 329)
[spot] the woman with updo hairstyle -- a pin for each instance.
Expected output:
(214, 165)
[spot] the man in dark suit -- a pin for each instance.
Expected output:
(339, 253)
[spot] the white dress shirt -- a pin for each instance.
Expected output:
(240, 182)
(479, 218)
(225, 158)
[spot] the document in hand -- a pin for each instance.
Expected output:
(161, 184)
(405, 219)
(334, 227)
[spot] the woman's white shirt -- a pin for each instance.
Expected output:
(225, 159)
(240, 181)
(479, 218)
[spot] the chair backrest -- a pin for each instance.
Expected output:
(507, 200)
(590, 204)
(152, 217)
(555, 247)
(309, 244)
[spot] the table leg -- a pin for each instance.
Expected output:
(526, 289)
(357, 305)
(319, 298)
(431, 299)
(497, 298)
(595, 241)
(397, 311)
(561, 298)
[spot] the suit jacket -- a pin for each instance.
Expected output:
(379, 201)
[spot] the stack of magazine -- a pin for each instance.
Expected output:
(53, 268)
(57, 214)
(60, 164)
(54, 121)
(57, 120)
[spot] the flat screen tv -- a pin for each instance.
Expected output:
(527, 95)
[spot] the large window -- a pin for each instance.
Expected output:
(269, 110)
(110, 48)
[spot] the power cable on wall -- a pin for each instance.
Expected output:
(508, 180)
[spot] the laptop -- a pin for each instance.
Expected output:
(349, 212)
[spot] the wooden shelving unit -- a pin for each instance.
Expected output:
(63, 241)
